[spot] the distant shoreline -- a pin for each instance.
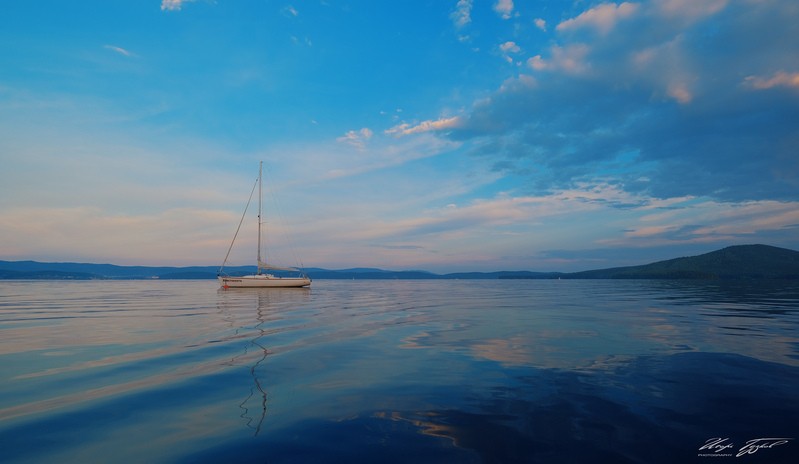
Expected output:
(735, 262)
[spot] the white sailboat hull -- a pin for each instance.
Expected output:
(263, 281)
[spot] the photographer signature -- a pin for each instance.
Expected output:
(719, 445)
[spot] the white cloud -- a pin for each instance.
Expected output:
(530, 222)
(541, 24)
(508, 48)
(297, 41)
(680, 92)
(603, 18)
(425, 126)
(462, 14)
(750, 217)
(649, 231)
(291, 11)
(673, 93)
(323, 162)
(507, 210)
(119, 50)
(515, 84)
(173, 5)
(669, 69)
(357, 138)
(537, 63)
(448, 222)
(570, 59)
(705, 221)
(778, 79)
(690, 9)
(504, 8)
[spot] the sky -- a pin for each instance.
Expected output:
(440, 135)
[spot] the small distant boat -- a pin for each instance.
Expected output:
(261, 279)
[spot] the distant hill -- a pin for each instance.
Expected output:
(31, 270)
(379, 274)
(735, 262)
(85, 271)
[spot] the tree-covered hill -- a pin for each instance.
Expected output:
(735, 262)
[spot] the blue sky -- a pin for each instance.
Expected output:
(437, 135)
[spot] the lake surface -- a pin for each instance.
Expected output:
(532, 371)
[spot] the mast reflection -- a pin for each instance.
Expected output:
(269, 304)
(253, 421)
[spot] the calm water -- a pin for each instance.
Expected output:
(398, 371)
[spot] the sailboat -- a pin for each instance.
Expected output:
(260, 279)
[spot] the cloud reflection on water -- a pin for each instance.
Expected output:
(653, 409)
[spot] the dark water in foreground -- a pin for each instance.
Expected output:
(399, 371)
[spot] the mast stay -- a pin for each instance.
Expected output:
(243, 215)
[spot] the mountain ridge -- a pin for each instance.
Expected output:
(733, 262)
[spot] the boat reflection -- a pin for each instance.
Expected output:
(266, 305)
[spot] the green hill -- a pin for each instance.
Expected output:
(735, 262)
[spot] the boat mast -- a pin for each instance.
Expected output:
(260, 183)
